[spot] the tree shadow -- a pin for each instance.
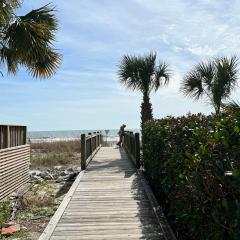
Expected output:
(67, 185)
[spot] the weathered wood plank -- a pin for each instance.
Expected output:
(14, 169)
(109, 202)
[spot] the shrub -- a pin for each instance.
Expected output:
(193, 165)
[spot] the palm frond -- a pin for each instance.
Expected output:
(30, 37)
(128, 72)
(141, 72)
(226, 78)
(9, 57)
(206, 71)
(216, 79)
(43, 16)
(45, 67)
(32, 31)
(7, 9)
(146, 71)
(161, 76)
(192, 85)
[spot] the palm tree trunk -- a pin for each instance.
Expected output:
(217, 107)
(146, 109)
(217, 110)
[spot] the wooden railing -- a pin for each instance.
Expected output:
(12, 136)
(131, 145)
(90, 144)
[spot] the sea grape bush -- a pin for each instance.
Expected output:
(193, 165)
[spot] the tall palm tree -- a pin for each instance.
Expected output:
(27, 40)
(215, 80)
(141, 73)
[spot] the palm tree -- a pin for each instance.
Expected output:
(27, 40)
(215, 80)
(142, 74)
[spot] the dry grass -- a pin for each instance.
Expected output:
(49, 154)
(51, 159)
(59, 147)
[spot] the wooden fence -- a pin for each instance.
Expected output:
(14, 159)
(131, 145)
(12, 136)
(90, 144)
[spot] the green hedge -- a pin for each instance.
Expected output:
(193, 165)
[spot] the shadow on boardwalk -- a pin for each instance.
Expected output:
(107, 202)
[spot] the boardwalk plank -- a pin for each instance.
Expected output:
(109, 202)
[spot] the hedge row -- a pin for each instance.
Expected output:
(193, 165)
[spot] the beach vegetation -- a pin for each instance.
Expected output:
(49, 154)
(192, 164)
(5, 212)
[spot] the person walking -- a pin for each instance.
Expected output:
(121, 135)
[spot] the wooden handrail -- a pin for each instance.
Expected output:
(90, 144)
(131, 145)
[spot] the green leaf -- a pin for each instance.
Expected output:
(236, 129)
(236, 173)
(225, 203)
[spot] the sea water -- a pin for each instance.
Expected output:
(66, 135)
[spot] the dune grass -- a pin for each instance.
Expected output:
(59, 146)
(49, 154)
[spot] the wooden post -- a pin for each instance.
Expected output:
(8, 140)
(90, 134)
(83, 151)
(101, 138)
(24, 135)
(137, 150)
(131, 143)
(98, 139)
(95, 140)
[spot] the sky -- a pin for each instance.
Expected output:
(94, 35)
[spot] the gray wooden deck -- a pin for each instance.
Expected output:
(107, 201)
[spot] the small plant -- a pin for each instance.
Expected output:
(40, 195)
(43, 212)
(5, 212)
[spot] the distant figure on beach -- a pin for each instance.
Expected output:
(121, 135)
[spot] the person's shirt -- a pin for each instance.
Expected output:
(121, 131)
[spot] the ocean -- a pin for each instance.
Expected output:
(66, 135)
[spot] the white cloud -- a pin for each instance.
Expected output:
(95, 34)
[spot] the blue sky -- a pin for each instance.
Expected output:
(93, 36)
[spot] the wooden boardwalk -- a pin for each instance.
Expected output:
(107, 201)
